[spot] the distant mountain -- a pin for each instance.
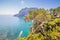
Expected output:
(24, 12)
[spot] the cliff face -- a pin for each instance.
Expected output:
(23, 12)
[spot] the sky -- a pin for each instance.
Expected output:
(11, 7)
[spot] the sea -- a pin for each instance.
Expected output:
(12, 27)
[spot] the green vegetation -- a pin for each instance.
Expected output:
(46, 24)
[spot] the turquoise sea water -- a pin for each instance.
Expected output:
(10, 27)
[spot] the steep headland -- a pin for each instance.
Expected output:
(23, 12)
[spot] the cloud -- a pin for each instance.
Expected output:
(8, 11)
(22, 2)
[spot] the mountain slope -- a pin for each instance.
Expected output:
(24, 12)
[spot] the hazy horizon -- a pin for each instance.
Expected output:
(11, 7)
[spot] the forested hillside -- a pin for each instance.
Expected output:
(46, 24)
